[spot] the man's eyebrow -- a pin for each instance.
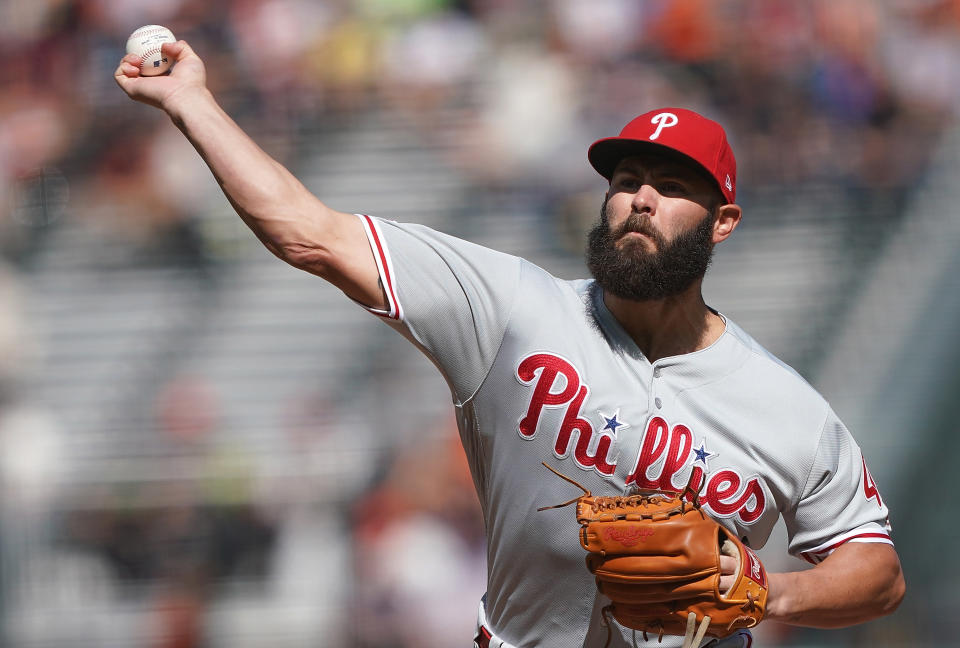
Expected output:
(666, 169)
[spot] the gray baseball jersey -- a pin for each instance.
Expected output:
(540, 370)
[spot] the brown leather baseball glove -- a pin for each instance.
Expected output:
(656, 556)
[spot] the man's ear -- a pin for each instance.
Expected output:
(728, 217)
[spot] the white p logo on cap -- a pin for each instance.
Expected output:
(663, 120)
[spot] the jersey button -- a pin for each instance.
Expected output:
(656, 372)
(658, 402)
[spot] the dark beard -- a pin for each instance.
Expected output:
(631, 272)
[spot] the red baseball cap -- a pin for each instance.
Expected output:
(676, 129)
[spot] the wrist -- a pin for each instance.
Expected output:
(778, 597)
(186, 100)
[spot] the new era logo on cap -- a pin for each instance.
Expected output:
(684, 131)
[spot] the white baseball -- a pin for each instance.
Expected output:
(146, 42)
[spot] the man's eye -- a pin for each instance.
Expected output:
(672, 187)
(629, 183)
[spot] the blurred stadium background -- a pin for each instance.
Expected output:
(202, 447)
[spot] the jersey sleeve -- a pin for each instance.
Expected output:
(840, 502)
(450, 297)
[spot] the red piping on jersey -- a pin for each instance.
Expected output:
(807, 555)
(394, 304)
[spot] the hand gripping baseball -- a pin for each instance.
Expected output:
(657, 557)
(188, 75)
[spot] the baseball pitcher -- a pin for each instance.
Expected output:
(678, 441)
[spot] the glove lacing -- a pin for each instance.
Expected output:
(694, 635)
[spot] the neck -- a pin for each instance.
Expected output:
(668, 327)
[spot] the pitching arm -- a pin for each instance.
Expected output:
(289, 220)
(856, 583)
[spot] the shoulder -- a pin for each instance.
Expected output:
(397, 233)
(759, 359)
(446, 245)
(772, 381)
(544, 294)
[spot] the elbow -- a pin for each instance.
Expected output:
(312, 258)
(307, 238)
(894, 595)
(888, 597)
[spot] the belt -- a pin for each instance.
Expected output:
(485, 637)
(482, 640)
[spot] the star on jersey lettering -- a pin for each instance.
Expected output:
(703, 454)
(613, 423)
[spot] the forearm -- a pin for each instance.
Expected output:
(282, 213)
(857, 583)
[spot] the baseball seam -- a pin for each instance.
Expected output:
(148, 32)
(147, 54)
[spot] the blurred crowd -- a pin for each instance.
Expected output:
(848, 89)
(830, 89)
(849, 92)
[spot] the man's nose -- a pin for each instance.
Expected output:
(645, 199)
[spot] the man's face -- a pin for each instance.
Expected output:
(655, 235)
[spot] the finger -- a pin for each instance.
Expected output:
(728, 565)
(178, 51)
(133, 59)
(726, 582)
(126, 70)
